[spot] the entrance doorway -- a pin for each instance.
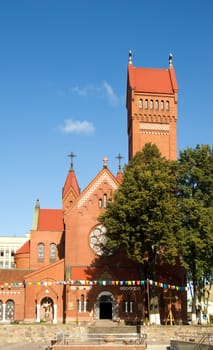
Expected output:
(105, 307)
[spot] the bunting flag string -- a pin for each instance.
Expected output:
(76, 283)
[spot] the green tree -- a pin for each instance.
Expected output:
(195, 181)
(143, 217)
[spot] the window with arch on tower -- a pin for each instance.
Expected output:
(156, 104)
(140, 103)
(146, 103)
(167, 105)
(151, 104)
(162, 105)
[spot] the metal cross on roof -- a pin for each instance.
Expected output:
(71, 155)
(119, 157)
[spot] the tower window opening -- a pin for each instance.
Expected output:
(151, 104)
(146, 103)
(162, 105)
(140, 103)
(167, 105)
(156, 104)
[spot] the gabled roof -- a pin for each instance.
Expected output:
(71, 182)
(50, 220)
(47, 270)
(152, 80)
(25, 248)
(104, 175)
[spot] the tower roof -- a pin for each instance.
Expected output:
(71, 182)
(152, 80)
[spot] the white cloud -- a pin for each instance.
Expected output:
(84, 91)
(77, 127)
(113, 99)
(99, 89)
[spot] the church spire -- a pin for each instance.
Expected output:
(36, 215)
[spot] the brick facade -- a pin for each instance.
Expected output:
(72, 275)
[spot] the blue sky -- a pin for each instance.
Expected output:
(63, 69)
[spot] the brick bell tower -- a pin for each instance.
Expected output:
(151, 102)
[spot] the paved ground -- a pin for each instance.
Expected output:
(22, 346)
(28, 346)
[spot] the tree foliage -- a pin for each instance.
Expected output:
(143, 216)
(195, 182)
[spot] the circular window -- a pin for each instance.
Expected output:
(98, 241)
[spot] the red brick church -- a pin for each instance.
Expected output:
(66, 272)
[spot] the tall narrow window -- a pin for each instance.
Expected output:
(40, 251)
(162, 105)
(167, 105)
(53, 250)
(151, 104)
(156, 104)
(140, 103)
(128, 305)
(105, 200)
(100, 203)
(146, 104)
(82, 304)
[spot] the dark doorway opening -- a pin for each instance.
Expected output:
(105, 307)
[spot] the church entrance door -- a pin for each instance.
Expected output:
(105, 306)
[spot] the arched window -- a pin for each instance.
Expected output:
(105, 200)
(146, 104)
(82, 304)
(40, 251)
(151, 104)
(100, 203)
(162, 105)
(53, 251)
(9, 312)
(157, 104)
(167, 105)
(140, 103)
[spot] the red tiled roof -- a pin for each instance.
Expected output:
(71, 181)
(25, 248)
(152, 80)
(12, 276)
(50, 220)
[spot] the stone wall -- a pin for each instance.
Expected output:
(42, 334)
